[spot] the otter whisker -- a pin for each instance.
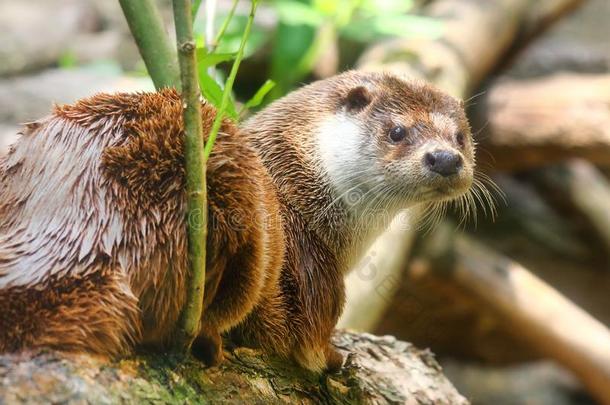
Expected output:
(481, 184)
(469, 99)
(340, 197)
(432, 215)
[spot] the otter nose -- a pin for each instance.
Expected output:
(443, 162)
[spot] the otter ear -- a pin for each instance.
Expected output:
(357, 98)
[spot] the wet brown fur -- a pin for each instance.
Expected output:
(113, 291)
(109, 274)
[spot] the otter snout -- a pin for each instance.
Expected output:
(444, 162)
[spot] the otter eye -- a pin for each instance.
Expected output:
(460, 139)
(398, 133)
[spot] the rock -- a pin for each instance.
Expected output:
(35, 33)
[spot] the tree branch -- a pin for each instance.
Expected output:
(190, 319)
(146, 26)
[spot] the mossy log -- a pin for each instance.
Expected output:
(377, 370)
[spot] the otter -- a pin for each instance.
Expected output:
(93, 229)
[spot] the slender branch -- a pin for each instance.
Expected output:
(190, 320)
(146, 26)
(225, 25)
(229, 83)
(195, 8)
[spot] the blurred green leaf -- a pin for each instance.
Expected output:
(199, 40)
(260, 94)
(385, 7)
(206, 59)
(292, 42)
(67, 60)
(328, 7)
(195, 8)
(369, 29)
(296, 13)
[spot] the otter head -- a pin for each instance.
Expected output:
(392, 144)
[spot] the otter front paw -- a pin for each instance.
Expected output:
(207, 347)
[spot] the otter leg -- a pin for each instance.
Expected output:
(266, 327)
(318, 302)
(236, 283)
(208, 346)
(319, 359)
(298, 319)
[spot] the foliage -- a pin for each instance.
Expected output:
(225, 100)
(305, 28)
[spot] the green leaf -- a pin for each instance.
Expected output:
(386, 7)
(327, 7)
(369, 29)
(206, 59)
(260, 94)
(297, 13)
(291, 43)
(67, 60)
(212, 92)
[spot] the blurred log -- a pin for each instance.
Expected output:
(583, 188)
(373, 282)
(530, 123)
(476, 35)
(578, 43)
(541, 15)
(378, 370)
(535, 312)
(431, 310)
(535, 383)
(526, 214)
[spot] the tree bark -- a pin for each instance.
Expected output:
(378, 370)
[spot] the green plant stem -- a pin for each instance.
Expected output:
(229, 83)
(225, 24)
(146, 26)
(195, 8)
(190, 319)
